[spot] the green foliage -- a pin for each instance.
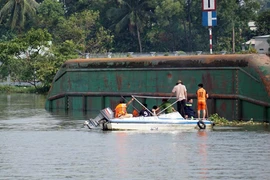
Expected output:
(131, 14)
(72, 6)
(49, 14)
(24, 89)
(16, 12)
(221, 121)
(263, 23)
(34, 45)
(252, 50)
(21, 57)
(83, 29)
(169, 31)
(268, 40)
(166, 9)
(61, 29)
(218, 120)
(101, 43)
(181, 53)
(47, 66)
(17, 89)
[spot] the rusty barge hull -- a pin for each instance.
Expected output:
(238, 85)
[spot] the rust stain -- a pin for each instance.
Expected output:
(207, 82)
(261, 61)
(119, 82)
(223, 107)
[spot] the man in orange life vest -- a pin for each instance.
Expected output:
(202, 95)
(121, 110)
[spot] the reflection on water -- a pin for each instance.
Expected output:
(36, 144)
(26, 111)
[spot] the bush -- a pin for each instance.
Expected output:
(21, 89)
(221, 121)
(166, 54)
(218, 120)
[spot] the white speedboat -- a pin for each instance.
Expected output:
(171, 121)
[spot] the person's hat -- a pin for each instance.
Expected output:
(179, 81)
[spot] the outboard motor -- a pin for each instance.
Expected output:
(94, 122)
(106, 113)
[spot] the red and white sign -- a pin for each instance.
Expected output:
(209, 5)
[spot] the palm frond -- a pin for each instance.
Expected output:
(122, 23)
(6, 9)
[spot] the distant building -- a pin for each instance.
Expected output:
(259, 43)
(248, 44)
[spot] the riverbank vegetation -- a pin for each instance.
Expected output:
(221, 121)
(23, 89)
(37, 36)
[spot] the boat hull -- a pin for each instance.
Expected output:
(153, 126)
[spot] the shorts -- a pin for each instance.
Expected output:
(201, 105)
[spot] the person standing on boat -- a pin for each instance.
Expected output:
(180, 92)
(166, 106)
(121, 109)
(202, 96)
(144, 112)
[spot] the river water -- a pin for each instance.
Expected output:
(38, 145)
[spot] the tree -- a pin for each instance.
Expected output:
(32, 57)
(85, 31)
(233, 17)
(17, 11)
(263, 23)
(131, 14)
(34, 44)
(21, 54)
(48, 65)
(7, 51)
(168, 30)
(77, 6)
(49, 14)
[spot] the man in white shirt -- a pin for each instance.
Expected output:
(180, 92)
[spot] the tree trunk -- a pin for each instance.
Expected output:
(189, 28)
(233, 39)
(186, 34)
(139, 39)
